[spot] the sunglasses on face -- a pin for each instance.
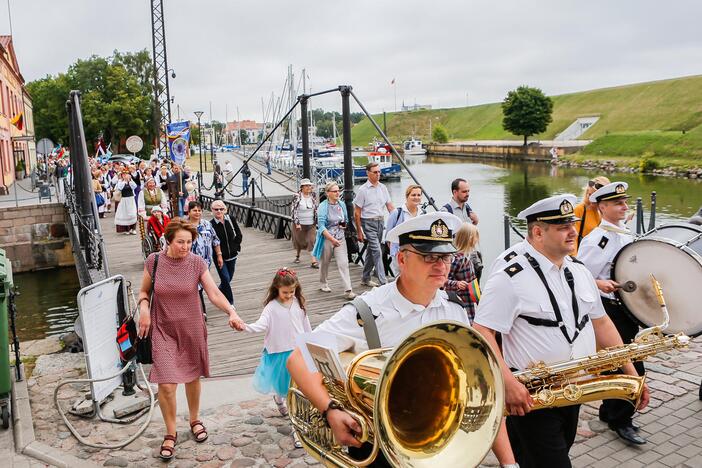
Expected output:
(597, 185)
(218, 209)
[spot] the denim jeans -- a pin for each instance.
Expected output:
(226, 273)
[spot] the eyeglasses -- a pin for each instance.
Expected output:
(433, 258)
(374, 172)
(597, 185)
(218, 209)
(332, 191)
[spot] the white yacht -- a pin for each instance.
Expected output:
(413, 147)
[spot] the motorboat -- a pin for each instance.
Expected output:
(413, 147)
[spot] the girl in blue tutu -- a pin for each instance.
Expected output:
(283, 318)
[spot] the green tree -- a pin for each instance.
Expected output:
(244, 136)
(526, 111)
(116, 100)
(439, 134)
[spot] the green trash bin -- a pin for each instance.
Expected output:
(6, 285)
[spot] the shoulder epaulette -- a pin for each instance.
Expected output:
(603, 242)
(510, 255)
(513, 269)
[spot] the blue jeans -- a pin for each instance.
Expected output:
(181, 206)
(245, 184)
(268, 167)
(226, 273)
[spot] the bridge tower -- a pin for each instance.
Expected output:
(162, 93)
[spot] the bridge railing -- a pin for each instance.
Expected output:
(280, 225)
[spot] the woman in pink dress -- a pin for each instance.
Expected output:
(177, 327)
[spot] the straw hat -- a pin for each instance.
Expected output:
(305, 181)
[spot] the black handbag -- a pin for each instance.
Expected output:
(143, 353)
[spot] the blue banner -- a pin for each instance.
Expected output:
(178, 140)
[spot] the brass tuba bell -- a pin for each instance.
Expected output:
(434, 400)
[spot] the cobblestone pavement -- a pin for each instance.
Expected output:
(252, 433)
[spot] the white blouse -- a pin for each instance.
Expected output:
(281, 324)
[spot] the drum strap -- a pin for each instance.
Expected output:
(617, 230)
(579, 324)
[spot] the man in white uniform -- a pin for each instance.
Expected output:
(398, 309)
(547, 309)
(597, 251)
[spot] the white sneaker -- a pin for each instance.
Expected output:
(349, 295)
(370, 283)
(325, 289)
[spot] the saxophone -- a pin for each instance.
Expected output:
(579, 381)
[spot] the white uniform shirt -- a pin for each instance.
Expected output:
(282, 325)
(506, 297)
(598, 249)
(396, 317)
(371, 199)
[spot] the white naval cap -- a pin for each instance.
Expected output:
(557, 209)
(612, 191)
(431, 232)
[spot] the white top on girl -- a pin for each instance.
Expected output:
(282, 324)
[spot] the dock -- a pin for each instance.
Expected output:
(237, 353)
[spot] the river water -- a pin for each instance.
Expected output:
(47, 304)
(500, 187)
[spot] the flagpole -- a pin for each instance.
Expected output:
(9, 16)
(394, 88)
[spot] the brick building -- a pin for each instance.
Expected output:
(15, 145)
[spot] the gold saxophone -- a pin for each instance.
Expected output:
(434, 400)
(579, 381)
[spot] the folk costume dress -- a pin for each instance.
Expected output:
(126, 215)
(178, 330)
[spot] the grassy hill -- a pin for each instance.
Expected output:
(663, 118)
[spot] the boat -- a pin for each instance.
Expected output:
(413, 147)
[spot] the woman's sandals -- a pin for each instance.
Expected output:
(199, 433)
(170, 451)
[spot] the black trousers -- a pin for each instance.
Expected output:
(543, 438)
(618, 413)
(364, 450)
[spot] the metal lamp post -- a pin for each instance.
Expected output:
(198, 114)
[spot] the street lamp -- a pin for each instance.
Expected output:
(198, 114)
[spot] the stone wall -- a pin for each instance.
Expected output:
(534, 152)
(35, 237)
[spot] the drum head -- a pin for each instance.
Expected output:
(677, 268)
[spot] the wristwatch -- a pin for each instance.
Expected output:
(333, 404)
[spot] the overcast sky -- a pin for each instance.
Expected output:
(442, 53)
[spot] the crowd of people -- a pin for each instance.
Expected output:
(539, 302)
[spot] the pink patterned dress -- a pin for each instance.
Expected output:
(178, 330)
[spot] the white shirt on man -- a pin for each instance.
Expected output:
(396, 317)
(372, 199)
(598, 249)
(281, 324)
(506, 297)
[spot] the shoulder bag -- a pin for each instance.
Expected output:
(143, 354)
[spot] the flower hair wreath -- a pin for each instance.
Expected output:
(285, 271)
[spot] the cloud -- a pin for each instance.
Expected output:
(235, 53)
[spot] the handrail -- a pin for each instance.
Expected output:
(278, 224)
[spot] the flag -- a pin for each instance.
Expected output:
(393, 81)
(18, 121)
(61, 153)
(474, 291)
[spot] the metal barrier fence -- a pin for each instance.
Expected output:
(280, 225)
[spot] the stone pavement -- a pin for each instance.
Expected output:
(247, 430)
(25, 195)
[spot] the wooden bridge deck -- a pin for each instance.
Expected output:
(231, 352)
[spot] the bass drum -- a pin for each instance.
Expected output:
(673, 254)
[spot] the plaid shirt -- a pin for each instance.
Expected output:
(462, 270)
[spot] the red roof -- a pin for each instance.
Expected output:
(245, 125)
